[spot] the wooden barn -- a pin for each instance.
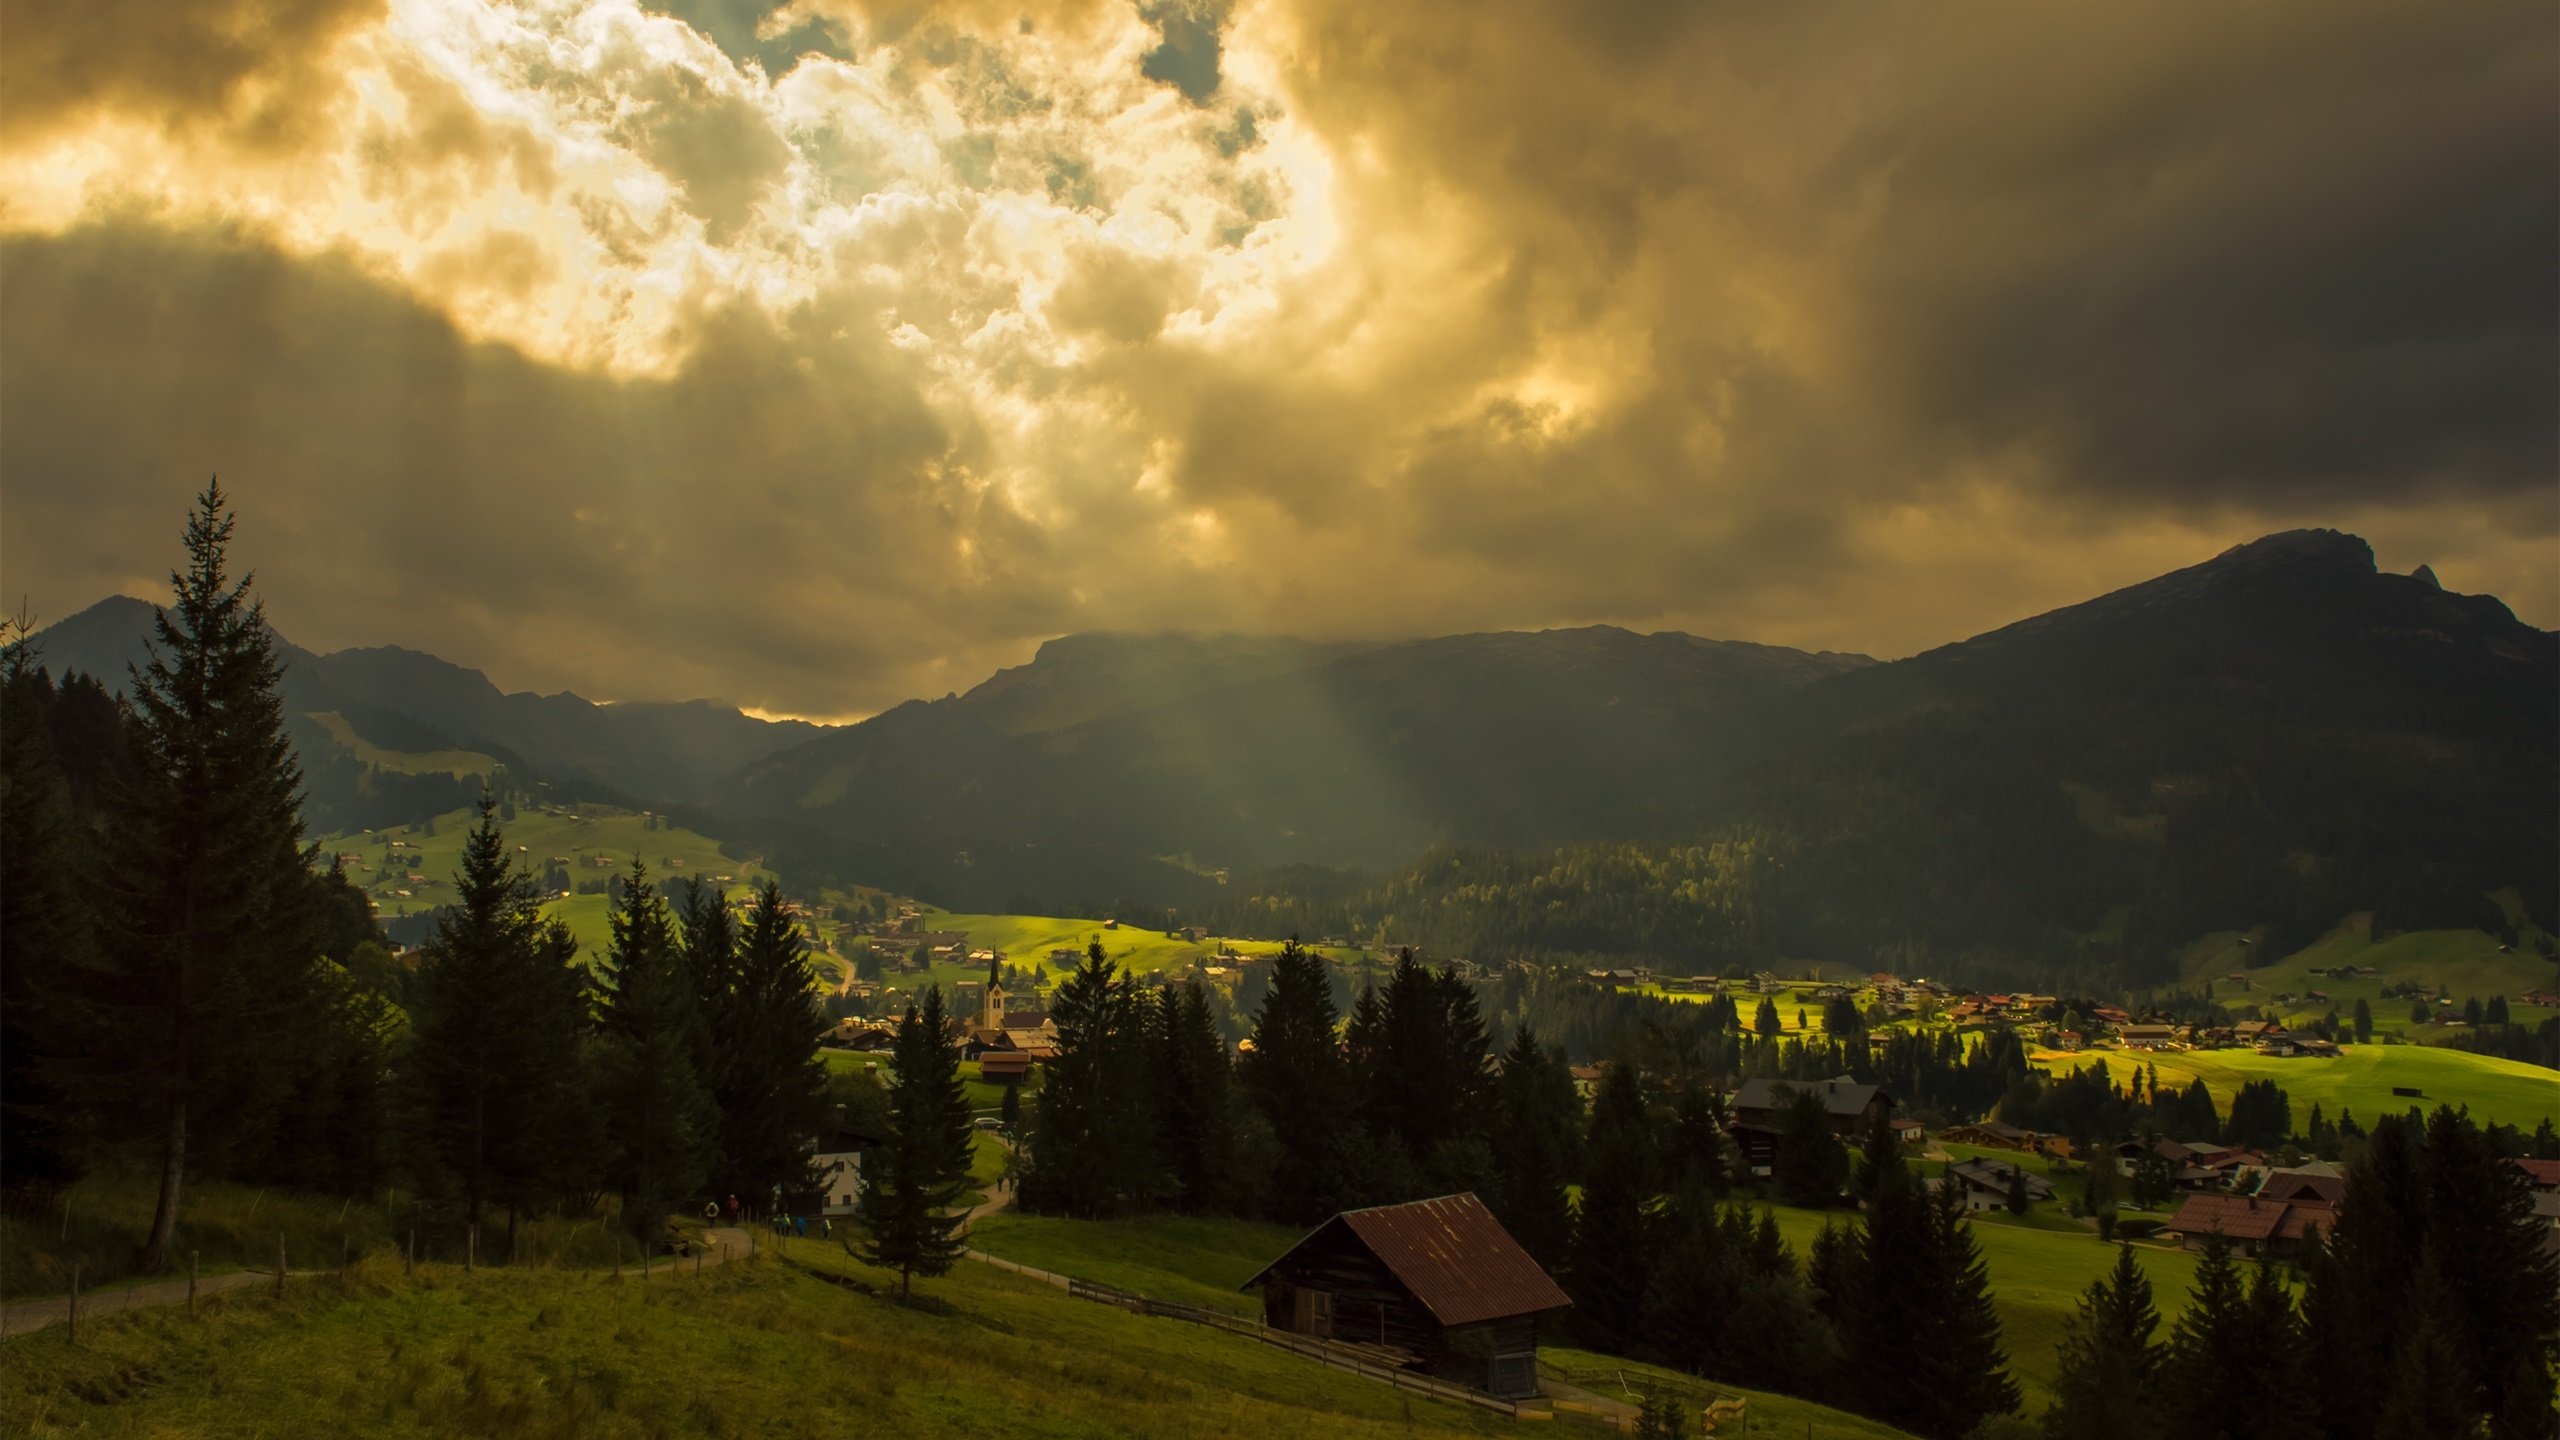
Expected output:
(1438, 1282)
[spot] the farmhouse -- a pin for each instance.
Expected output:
(2249, 1222)
(1760, 1112)
(1986, 1183)
(2147, 1037)
(1439, 1284)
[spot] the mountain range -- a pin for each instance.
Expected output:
(2274, 736)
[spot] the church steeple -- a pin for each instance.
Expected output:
(991, 1011)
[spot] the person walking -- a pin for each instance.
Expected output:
(733, 1209)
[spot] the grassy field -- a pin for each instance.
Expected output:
(588, 832)
(807, 1347)
(2361, 1079)
(2466, 963)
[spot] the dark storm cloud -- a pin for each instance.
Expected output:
(254, 62)
(1188, 58)
(780, 523)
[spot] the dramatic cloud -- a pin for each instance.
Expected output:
(821, 354)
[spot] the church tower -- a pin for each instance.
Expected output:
(991, 1009)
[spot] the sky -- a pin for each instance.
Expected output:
(820, 356)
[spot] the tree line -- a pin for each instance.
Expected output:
(191, 992)
(2431, 1309)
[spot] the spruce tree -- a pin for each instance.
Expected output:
(913, 1185)
(1195, 1119)
(1091, 1149)
(2429, 1392)
(211, 944)
(2205, 1374)
(770, 1085)
(2107, 1385)
(1296, 1076)
(1608, 1273)
(474, 1053)
(1538, 1117)
(1967, 1371)
(657, 1112)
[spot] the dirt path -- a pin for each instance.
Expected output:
(20, 1317)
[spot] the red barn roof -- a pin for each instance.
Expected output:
(1452, 1254)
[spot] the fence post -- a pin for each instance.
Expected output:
(192, 1257)
(279, 1264)
(471, 1248)
(71, 1322)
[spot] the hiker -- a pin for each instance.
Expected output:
(710, 1212)
(800, 1226)
(733, 1209)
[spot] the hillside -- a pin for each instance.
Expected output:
(758, 1347)
(357, 710)
(589, 843)
(2275, 738)
(1071, 772)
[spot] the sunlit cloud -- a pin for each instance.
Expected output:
(846, 350)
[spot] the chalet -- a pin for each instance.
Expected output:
(2545, 1174)
(2298, 1045)
(2249, 1222)
(1438, 1285)
(2147, 1037)
(1986, 1183)
(1760, 1113)
(1910, 1132)
(2317, 1183)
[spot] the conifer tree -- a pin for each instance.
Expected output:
(1609, 1273)
(1538, 1117)
(2107, 1388)
(659, 1115)
(913, 1184)
(1968, 1371)
(1091, 1150)
(212, 946)
(1296, 1076)
(770, 1085)
(1810, 1166)
(474, 1046)
(1195, 1120)
(2205, 1373)
(2430, 1385)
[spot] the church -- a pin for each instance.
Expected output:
(1028, 1032)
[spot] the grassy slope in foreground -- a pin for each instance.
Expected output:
(2361, 1079)
(1198, 1260)
(749, 1349)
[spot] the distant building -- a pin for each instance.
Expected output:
(1436, 1284)
(1987, 1183)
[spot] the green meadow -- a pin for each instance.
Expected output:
(2465, 963)
(580, 834)
(2361, 1079)
(808, 1344)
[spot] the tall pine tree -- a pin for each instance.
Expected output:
(1609, 1271)
(770, 1084)
(2107, 1388)
(1296, 1076)
(913, 1185)
(212, 943)
(657, 1112)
